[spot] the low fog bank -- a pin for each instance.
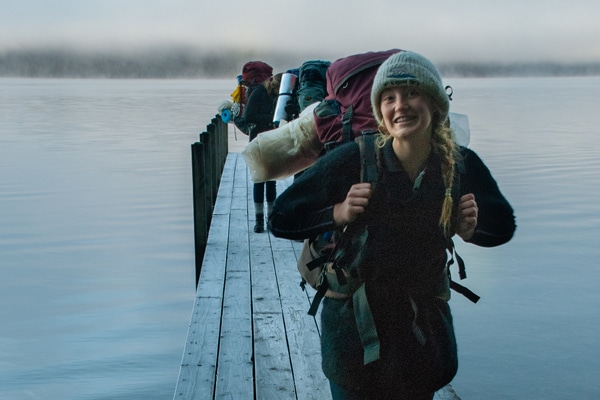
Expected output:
(520, 69)
(171, 63)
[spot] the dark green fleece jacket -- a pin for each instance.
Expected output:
(405, 268)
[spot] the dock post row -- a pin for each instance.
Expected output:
(208, 160)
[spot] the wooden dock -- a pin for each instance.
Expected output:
(250, 336)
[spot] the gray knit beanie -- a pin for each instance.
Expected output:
(409, 68)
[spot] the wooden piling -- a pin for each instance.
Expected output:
(208, 159)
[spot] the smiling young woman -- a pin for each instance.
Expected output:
(410, 222)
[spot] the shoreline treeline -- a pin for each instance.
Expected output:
(172, 63)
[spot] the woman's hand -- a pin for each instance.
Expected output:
(467, 216)
(354, 204)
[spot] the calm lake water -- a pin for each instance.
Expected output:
(96, 237)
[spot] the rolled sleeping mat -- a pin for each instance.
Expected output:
(284, 151)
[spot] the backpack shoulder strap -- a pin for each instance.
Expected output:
(368, 157)
(347, 124)
(462, 273)
(457, 287)
(369, 172)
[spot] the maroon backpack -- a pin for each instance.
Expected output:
(346, 111)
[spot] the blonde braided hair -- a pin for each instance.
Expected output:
(444, 146)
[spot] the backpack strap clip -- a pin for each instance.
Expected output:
(347, 124)
(461, 273)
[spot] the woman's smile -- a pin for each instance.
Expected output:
(404, 119)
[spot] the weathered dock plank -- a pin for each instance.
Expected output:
(235, 373)
(301, 328)
(274, 375)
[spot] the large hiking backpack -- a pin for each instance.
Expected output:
(346, 111)
(313, 82)
(253, 74)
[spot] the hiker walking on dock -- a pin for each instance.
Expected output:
(257, 118)
(393, 338)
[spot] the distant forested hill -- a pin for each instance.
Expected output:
(166, 63)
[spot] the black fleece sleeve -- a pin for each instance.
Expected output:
(496, 221)
(305, 209)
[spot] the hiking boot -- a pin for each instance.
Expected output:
(259, 226)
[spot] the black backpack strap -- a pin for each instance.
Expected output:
(347, 125)
(461, 273)
(317, 262)
(457, 287)
(314, 305)
(365, 323)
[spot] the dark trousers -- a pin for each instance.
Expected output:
(259, 191)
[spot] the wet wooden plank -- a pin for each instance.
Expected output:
(273, 370)
(301, 329)
(235, 369)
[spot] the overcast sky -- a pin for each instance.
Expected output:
(443, 30)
